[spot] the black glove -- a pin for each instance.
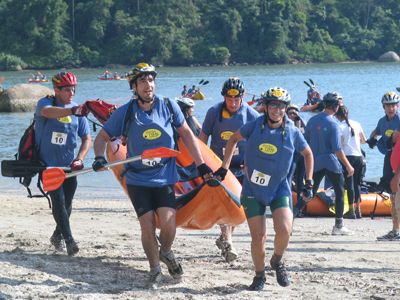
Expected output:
(99, 163)
(372, 142)
(308, 189)
(389, 143)
(204, 170)
(221, 173)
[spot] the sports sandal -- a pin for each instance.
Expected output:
(174, 267)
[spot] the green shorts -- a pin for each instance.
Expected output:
(254, 208)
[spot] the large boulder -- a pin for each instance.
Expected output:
(23, 97)
(389, 56)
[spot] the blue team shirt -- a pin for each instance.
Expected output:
(148, 130)
(385, 128)
(323, 136)
(57, 138)
(221, 129)
(268, 157)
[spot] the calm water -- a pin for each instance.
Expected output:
(361, 84)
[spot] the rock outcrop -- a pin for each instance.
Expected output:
(23, 97)
(389, 56)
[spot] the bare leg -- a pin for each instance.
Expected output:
(258, 232)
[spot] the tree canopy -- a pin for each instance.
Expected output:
(65, 33)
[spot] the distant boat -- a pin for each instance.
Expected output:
(37, 80)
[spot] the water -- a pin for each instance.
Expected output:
(361, 84)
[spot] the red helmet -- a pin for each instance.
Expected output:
(63, 79)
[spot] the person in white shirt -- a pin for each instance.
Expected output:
(351, 138)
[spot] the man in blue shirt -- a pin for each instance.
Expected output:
(151, 188)
(221, 121)
(59, 122)
(323, 136)
(385, 128)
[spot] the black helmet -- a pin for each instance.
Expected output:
(233, 87)
(276, 94)
(139, 70)
(332, 98)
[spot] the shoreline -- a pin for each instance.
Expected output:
(111, 263)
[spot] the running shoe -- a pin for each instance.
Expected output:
(227, 251)
(390, 236)
(174, 267)
(257, 284)
(341, 231)
(282, 275)
(350, 215)
(153, 280)
(57, 241)
(72, 247)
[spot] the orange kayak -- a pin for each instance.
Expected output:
(371, 204)
(200, 205)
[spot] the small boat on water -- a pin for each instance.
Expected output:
(31, 80)
(200, 205)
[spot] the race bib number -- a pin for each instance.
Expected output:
(151, 162)
(59, 138)
(260, 178)
(235, 151)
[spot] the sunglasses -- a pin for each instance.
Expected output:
(279, 105)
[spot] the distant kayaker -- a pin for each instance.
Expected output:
(59, 123)
(314, 101)
(150, 183)
(272, 140)
(221, 121)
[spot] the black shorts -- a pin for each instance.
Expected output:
(145, 199)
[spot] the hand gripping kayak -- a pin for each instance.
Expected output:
(53, 178)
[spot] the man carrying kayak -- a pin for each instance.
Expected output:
(59, 122)
(151, 186)
(272, 140)
(221, 121)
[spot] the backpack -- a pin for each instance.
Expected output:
(28, 154)
(27, 163)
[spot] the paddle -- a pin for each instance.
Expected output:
(53, 178)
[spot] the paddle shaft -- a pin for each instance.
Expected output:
(111, 164)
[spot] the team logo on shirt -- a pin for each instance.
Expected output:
(389, 132)
(65, 120)
(267, 148)
(151, 134)
(226, 135)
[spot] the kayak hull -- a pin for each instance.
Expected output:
(371, 204)
(199, 205)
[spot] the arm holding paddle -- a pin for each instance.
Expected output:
(99, 148)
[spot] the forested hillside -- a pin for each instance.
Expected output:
(59, 33)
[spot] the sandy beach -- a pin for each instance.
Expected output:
(111, 263)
